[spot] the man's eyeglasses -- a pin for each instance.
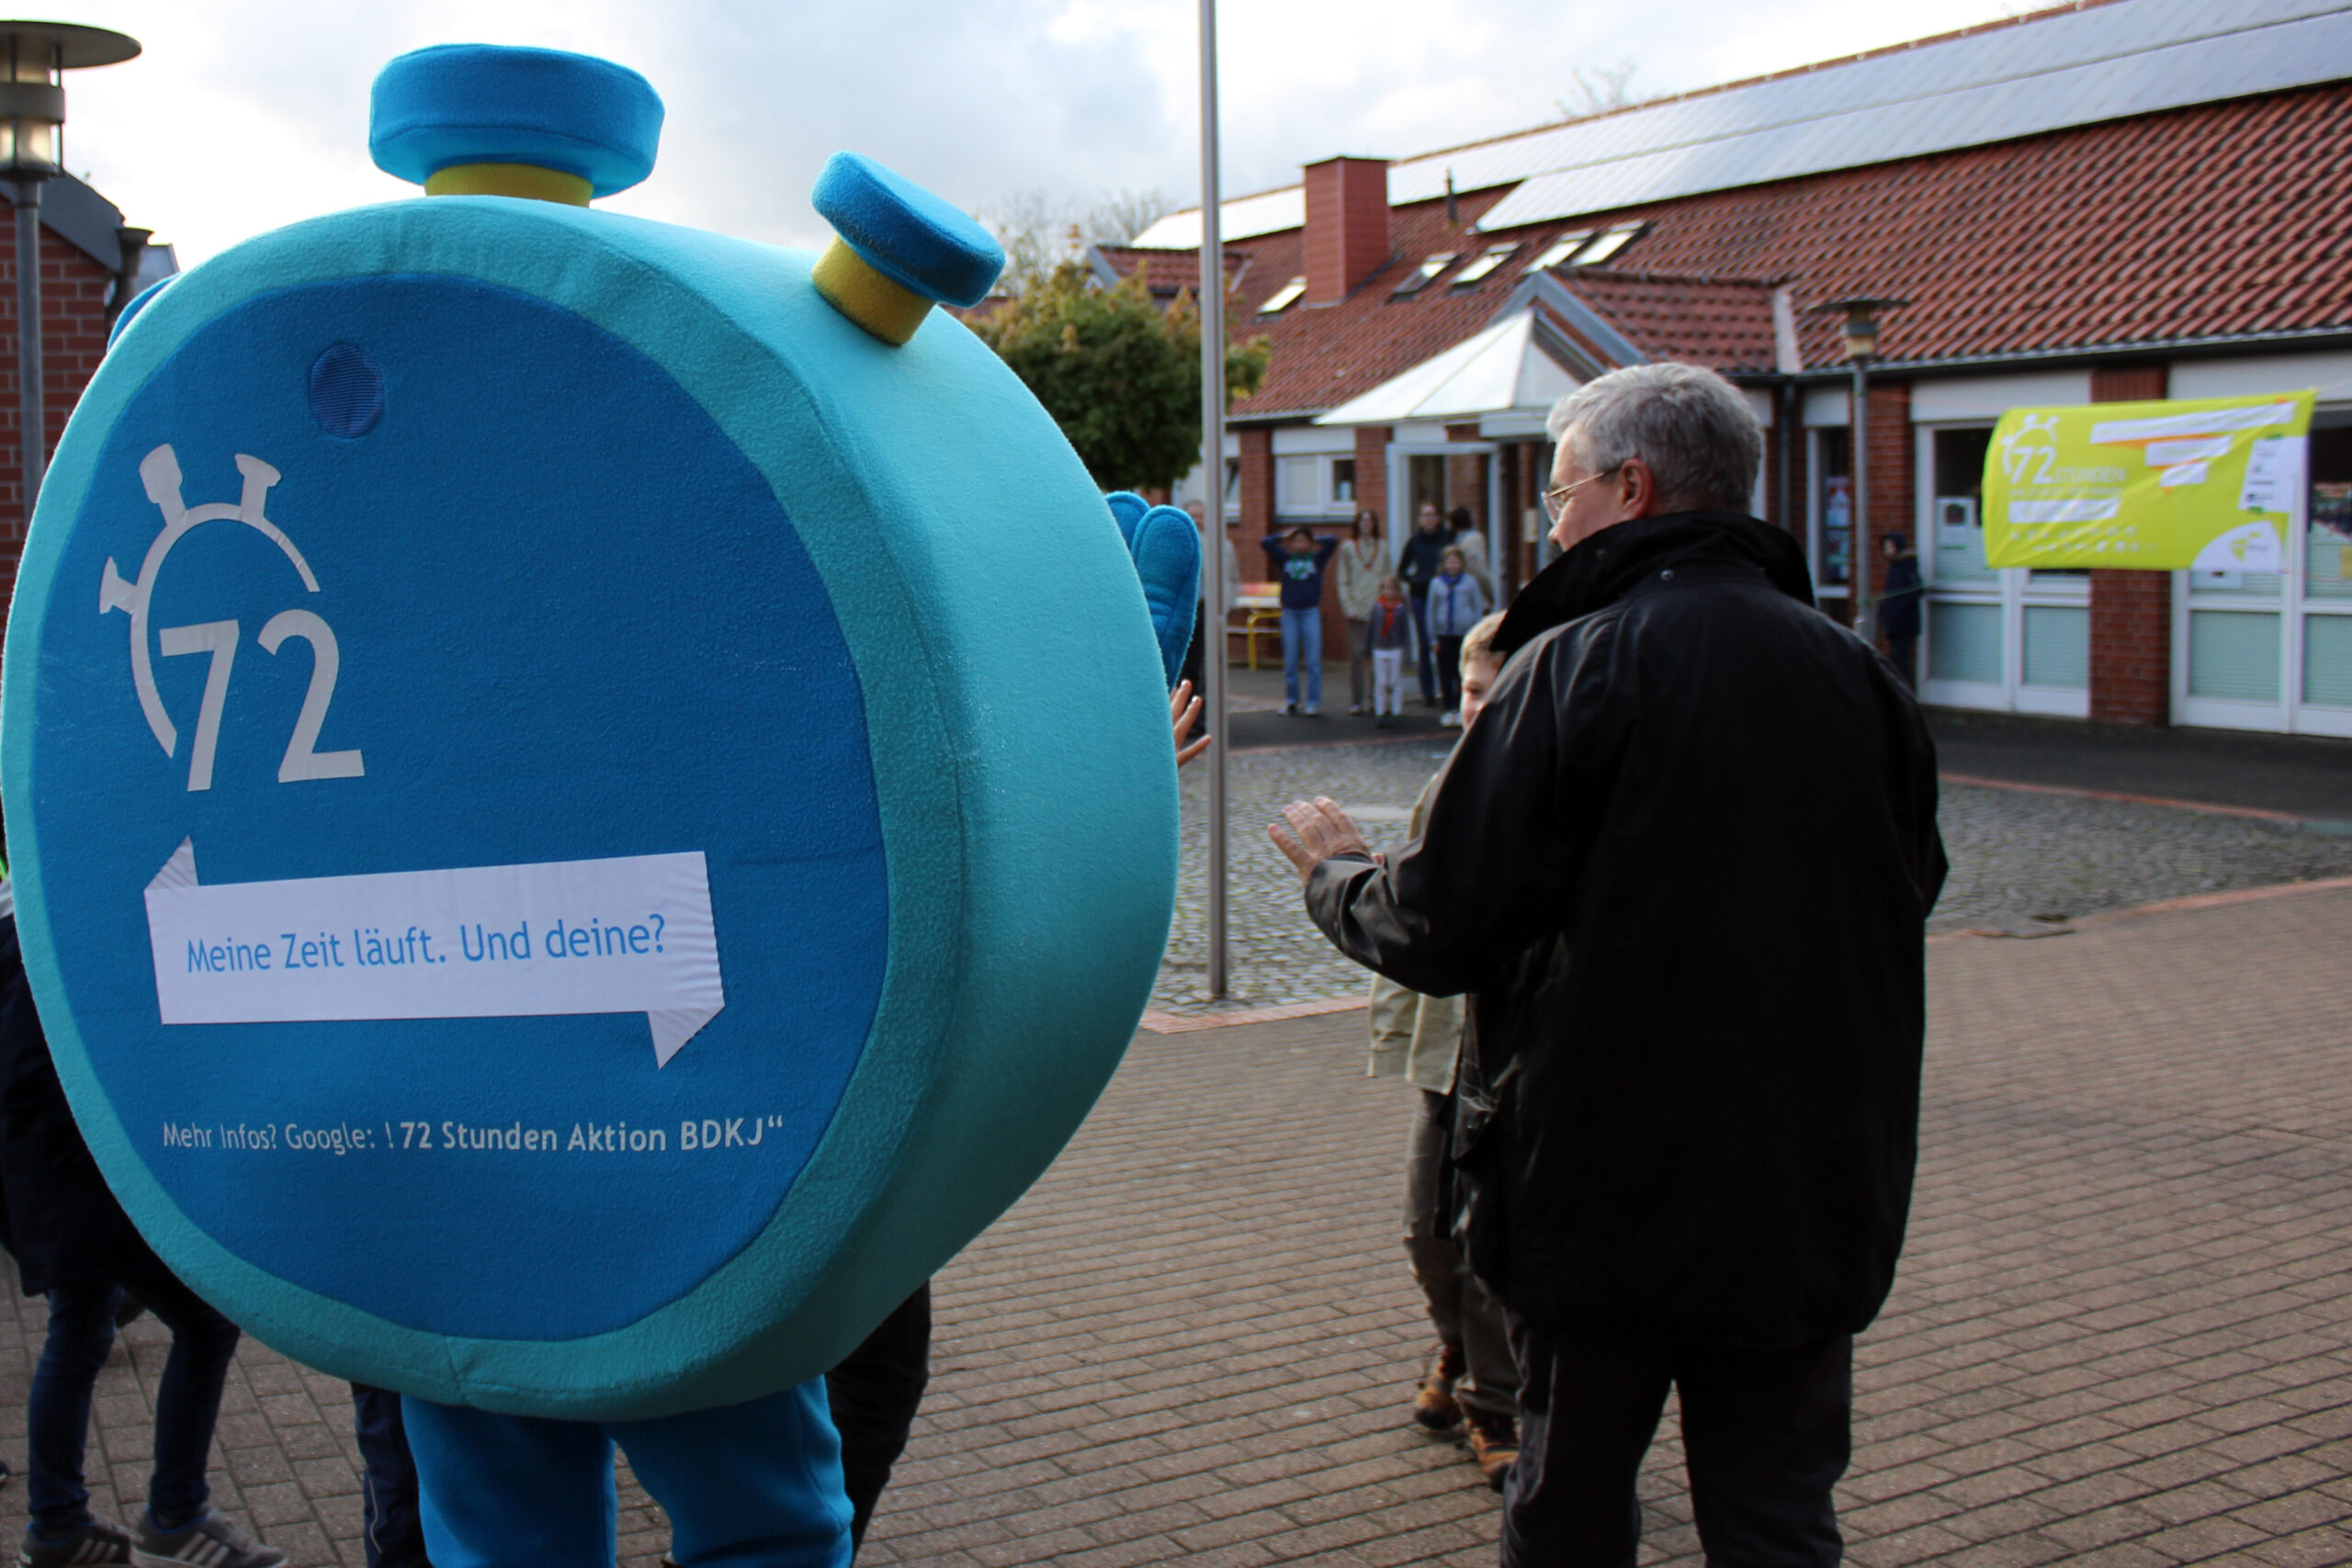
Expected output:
(1556, 500)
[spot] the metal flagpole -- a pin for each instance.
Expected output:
(1211, 300)
(31, 421)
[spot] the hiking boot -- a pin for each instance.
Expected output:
(207, 1542)
(1494, 1445)
(1434, 1403)
(98, 1541)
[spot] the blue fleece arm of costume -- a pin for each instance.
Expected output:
(1166, 549)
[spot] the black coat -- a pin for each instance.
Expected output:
(1683, 861)
(1421, 559)
(1898, 607)
(63, 1224)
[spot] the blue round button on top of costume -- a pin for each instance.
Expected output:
(474, 103)
(904, 233)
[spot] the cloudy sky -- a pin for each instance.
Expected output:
(244, 115)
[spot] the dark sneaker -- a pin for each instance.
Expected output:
(98, 1541)
(209, 1541)
(1434, 1403)
(1494, 1445)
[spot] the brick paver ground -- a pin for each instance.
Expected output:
(2123, 1335)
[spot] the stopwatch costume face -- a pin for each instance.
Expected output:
(565, 869)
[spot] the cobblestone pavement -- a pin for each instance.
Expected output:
(2123, 1334)
(2016, 855)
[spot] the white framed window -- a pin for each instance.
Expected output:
(1299, 485)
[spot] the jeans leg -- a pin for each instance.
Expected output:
(1290, 657)
(875, 1393)
(1765, 1434)
(1449, 671)
(187, 1397)
(392, 1534)
(511, 1490)
(1359, 667)
(1588, 1408)
(1426, 674)
(1310, 636)
(750, 1486)
(57, 1414)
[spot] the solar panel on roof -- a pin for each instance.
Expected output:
(2046, 72)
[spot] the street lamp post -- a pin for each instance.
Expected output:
(1861, 341)
(32, 121)
(1212, 300)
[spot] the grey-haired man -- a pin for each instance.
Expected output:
(1683, 865)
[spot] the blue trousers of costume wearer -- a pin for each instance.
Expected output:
(1428, 671)
(1303, 645)
(749, 1486)
(389, 1529)
(188, 1402)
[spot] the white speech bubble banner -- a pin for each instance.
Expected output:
(629, 934)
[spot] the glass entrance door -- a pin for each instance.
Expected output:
(2011, 640)
(2273, 650)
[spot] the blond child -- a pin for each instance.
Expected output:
(1471, 1380)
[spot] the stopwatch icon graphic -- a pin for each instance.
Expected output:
(160, 473)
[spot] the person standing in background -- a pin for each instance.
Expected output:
(1455, 607)
(1473, 546)
(1360, 571)
(1418, 566)
(1388, 641)
(1898, 609)
(1297, 560)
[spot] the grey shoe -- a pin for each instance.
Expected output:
(208, 1541)
(99, 1541)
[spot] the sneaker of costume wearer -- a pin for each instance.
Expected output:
(1434, 1405)
(1494, 1445)
(100, 1541)
(1450, 720)
(206, 1541)
(1290, 710)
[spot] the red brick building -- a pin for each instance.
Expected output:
(2121, 199)
(90, 266)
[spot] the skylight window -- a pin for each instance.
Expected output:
(1287, 294)
(1496, 255)
(1425, 275)
(1559, 251)
(1609, 245)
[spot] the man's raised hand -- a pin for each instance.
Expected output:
(1312, 831)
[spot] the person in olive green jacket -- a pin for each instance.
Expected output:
(1472, 1379)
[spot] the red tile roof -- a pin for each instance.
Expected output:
(2227, 219)
(1166, 272)
(1723, 323)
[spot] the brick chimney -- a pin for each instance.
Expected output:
(1347, 225)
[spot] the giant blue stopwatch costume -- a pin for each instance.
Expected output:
(589, 800)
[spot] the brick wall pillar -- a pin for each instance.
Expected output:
(1894, 485)
(2131, 611)
(74, 326)
(1257, 442)
(1371, 469)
